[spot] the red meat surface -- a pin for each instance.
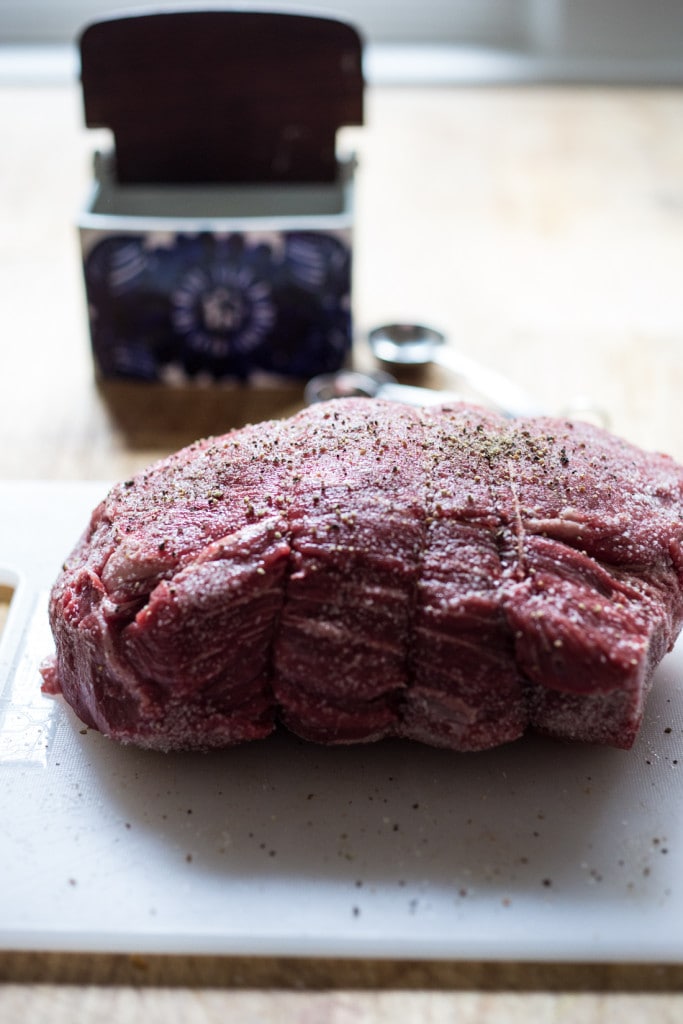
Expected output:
(366, 569)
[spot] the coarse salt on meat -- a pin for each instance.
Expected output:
(366, 569)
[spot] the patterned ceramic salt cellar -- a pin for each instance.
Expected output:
(217, 240)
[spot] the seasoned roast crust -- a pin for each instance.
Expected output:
(366, 569)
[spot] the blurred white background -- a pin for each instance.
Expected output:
(442, 40)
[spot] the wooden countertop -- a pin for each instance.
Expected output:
(542, 229)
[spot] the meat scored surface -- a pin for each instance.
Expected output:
(366, 569)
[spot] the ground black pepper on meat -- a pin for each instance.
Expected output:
(371, 570)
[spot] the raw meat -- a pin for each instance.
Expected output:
(366, 569)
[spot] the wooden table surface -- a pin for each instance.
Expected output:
(542, 229)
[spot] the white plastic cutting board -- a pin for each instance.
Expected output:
(538, 850)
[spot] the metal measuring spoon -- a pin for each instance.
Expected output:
(417, 345)
(352, 384)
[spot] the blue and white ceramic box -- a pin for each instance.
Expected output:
(218, 283)
(217, 242)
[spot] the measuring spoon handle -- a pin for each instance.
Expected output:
(498, 389)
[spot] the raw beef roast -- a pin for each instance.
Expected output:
(366, 569)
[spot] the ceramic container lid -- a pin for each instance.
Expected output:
(222, 95)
